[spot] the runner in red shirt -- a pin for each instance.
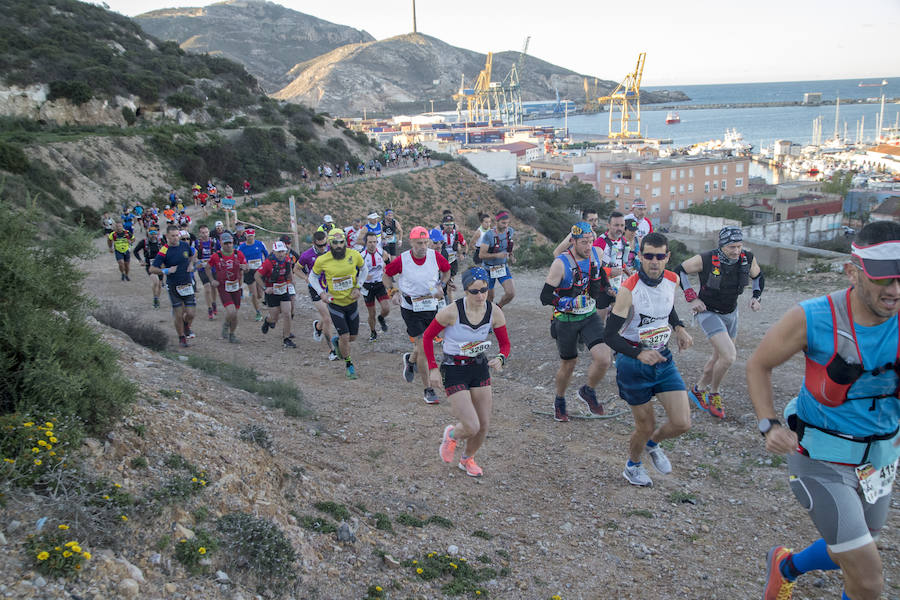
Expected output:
(228, 266)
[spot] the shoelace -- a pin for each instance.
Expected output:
(786, 590)
(716, 400)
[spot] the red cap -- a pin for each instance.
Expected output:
(418, 233)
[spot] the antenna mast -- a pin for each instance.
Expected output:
(414, 16)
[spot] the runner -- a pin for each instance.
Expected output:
(373, 288)
(373, 225)
(612, 243)
(345, 273)
(322, 325)
(176, 261)
(246, 187)
(638, 329)
(465, 370)
(255, 252)
(150, 247)
(138, 212)
(169, 214)
(327, 224)
(575, 286)
(294, 259)
(276, 277)
(841, 438)
(496, 250)
(456, 247)
(639, 214)
(724, 273)
(420, 271)
(218, 231)
(485, 225)
(205, 247)
(226, 266)
(355, 235)
(589, 216)
(119, 242)
(108, 223)
(128, 222)
(392, 231)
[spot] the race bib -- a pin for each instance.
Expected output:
(875, 483)
(342, 284)
(232, 286)
(441, 303)
(425, 303)
(185, 290)
(497, 271)
(583, 305)
(616, 281)
(291, 290)
(255, 263)
(451, 255)
(279, 289)
(654, 338)
(473, 349)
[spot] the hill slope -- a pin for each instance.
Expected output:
(268, 39)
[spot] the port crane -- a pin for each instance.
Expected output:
(477, 98)
(627, 99)
(591, 92)
(488, 99)
(507, 96)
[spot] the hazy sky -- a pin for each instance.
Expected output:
(691, 41)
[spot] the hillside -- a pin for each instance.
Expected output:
(267, 38)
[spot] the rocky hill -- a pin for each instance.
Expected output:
(268, 39)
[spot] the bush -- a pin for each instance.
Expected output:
(189, 552)
(552, 210)
(145, 334)
(532, 255)
(722, 208)
(77, 91)
(260, 547)
(184, 101)
(12, 158)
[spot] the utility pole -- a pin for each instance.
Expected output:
(414, 16)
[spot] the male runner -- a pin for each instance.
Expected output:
(128, 222)
(226, 267)
(327, 224)
(639, 214)
(420, 273)
(255, 252)
(205, 247)
(119, 241)
(345, 273)
(322, 325)
(638, 329)
(724, 273)
(575, 286)
(612, 243)
(589, 216)
(841, 438)
(455, 245)
(373, 288)
(373, 225)
(276, 277)
(496, 250)
(485, 220)
(218, 231)
(176, 261)
(392, 232)
(355, 235)
(150, 247)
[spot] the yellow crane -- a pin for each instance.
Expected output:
(627, 98)
(477, 98)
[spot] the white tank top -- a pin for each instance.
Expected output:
(417, 281)
(375, 263)
(467, 339)
(648, 318)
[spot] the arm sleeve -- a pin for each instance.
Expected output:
(315, 283)
(433, 329)
(690, 294)
(548, 295)
(140, 245)
(503, 339)
(614, 339)
(674, 321)
(759, 284)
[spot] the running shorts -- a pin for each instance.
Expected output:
(417, 322)
(203, 276)
(313, 294)
(345, 318)
(567, 333)
(638, 382)
(178, 300)
(230, 297)
(391, 248)
(126, 256)
(376, 291)
(275, 300)
(493, 281)
(250, 276)
(713, 323)
(457, 378)
(829, 493)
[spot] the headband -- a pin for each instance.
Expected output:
(730, 235)
(474, 274)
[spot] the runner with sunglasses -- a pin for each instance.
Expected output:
(465, 369)
(226, 267)
(322, 325)
(841, 435)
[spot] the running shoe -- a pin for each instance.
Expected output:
(215, 310)
(209, 313)
(560, 414)
(588, 394)
(636, 475)
(123, 276)
(291, 336)
(289, 343)
(233, 339)
(317, 333)
(382, 322)
(265, 326)
(258, 317)
(156, 303)
(182, 341)
(409, 369)
(373, 336)
(777, 587)
(336, 346)
(468, 465)
(659, 459)
(332, 355)
(127, 278)
(188, 332)
(700, 397)
(225, 330)
(430, 397)
(716, 408)
(351, 372)
(448, 445)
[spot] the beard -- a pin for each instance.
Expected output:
(339, 252)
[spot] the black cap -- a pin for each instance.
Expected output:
(286, 239)
(631, 224)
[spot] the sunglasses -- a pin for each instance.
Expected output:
(321, 245)
(338, 242)
(879, 282)
(654, 256)
(474, 291)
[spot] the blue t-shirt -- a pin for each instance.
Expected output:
(178, 257)
(206, 249)
(138, 211)
(128, 220)
(255, 251)
(496, 245)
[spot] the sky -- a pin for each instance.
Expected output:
(687, 42)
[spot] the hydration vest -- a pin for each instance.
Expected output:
(714, 281)
(280, 271)
(496, 244)
(579, 284)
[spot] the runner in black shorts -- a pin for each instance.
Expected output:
(373, 289)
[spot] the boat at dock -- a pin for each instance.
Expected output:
(672, 118)
(883, 83)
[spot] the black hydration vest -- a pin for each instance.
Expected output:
(720, 283)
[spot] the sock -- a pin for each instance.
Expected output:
(651, 444)
(347, 360)
(559, 399)
(450, 435)
(631, 463)
(465, 457)
(844, 595)
(813, 557)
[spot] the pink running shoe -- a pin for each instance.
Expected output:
(448, 445)
(468, 465)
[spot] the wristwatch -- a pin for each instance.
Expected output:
(765, 425)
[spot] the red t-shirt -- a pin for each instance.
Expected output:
(227, 267)
(278, 273)
(395, 267)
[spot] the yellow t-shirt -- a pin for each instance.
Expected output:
(121, 241)
(340, 275)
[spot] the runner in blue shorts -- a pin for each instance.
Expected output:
(496, 252)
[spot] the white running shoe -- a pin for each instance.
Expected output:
(636, 475)
(659, 459)
(317, 333)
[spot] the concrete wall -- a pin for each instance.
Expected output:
(799, 232)
(699, 224)
(498, 166)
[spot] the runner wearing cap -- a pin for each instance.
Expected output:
(420, 273)
(841, 436)
(373, 225)
(639, 214)
(355, 235)
(255, 252)
(225, 271)
(276, 277)
(455, 245)
(327, 224)
(496, 251)
(724, 273)
(465, 369)
(373, 287)
(216, 233)
(294, 259)
(344, 272)
(150, 248)
(392, 232)
(205, 247)
(119, 241)
(322, 325)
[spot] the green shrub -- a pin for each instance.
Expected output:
(185, 101)
(77, 91)
(260, 547)
(253, 433)
(55, 553)
(532, 255)
(552, 210)
(722, 208)
(12, 158)
(189, 552)
(146, 334)
(34, 447)
(338, 511)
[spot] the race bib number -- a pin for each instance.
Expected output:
(473, 349)
(342, 284)
(232, 286)
(451, 255)
(185, 290)
(583, 305)
(497, 271)
(291, 290)
(616, 281)
(655, 338)
(875, 483)
(255, 263)
(423, 304)
(279, 289)
(441, 303)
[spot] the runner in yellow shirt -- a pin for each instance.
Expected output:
(119, 241)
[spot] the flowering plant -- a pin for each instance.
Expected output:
(55, 553)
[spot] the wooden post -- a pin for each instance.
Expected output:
(293, 207)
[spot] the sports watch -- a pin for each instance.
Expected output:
(765, 425)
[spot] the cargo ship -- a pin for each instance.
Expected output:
(883, 83)
(672, 118)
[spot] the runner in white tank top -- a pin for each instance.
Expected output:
(373, 289)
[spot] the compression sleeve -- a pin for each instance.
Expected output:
(674, 321)
(614, 339)
(433, 329)
(362, 274)
(548, 295)
(315, 284)
(759, 284)
(142, 243)
(503, 338)
(689, 293)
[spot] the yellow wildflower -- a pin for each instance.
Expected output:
(43, 555)
(70, 544)
(202, 482)
(57, 548)
(48, 425)
(67, 554)
(378, 588)
(415, 562)
(35, 449)
(63, 527)
(54, 440)
(86, 555)
(124, 518)
(9, 460)
(37, 462)
(106, 496)
(28, 424)
(118, 485)
(419, 570)
(201, 550)
(53, 454)
(77, 567)
(76, 548)
(194, 479)
(48, 433)
(453, 565)
(42, 443)
(477, 592)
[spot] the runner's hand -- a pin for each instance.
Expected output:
(781, 440)
(434, 378)
(496, 364)
(213, 283)
(438, 293)
(354, 294)
(697, 306)
(650, 357)
(685, 340)
(754, 304)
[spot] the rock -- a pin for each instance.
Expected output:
(129, 588)
(183, 532)
(94, 447)
(170, 588)
(452, 550)
(39, 582)
(133, 571)
(222, 577)
(344, 534)
(155, 558)
(2, 539)
(567, 527)
(13, 526)
(390, 562)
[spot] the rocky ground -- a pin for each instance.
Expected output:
(560, 517)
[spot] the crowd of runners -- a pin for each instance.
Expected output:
(611, 291)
